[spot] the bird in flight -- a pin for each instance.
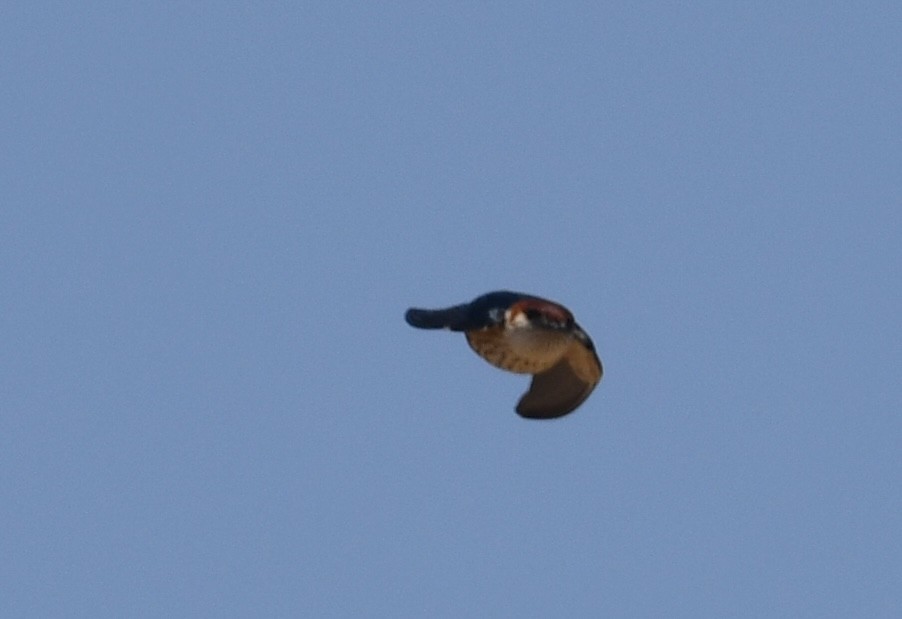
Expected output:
(525, 334)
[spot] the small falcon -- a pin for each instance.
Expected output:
(525, 334)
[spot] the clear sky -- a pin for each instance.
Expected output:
(215, 214)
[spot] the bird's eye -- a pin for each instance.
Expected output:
(533, 314)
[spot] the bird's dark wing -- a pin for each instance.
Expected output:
(455, 318)
(565, 385)
(481, 313)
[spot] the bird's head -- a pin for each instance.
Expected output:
(538, 314)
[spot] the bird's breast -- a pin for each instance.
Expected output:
(523, 350)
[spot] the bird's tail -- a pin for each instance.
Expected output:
(453, 318)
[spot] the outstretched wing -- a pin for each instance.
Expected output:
(481, 313)
(447, 318)
(565, 385)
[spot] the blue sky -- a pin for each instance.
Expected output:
(215, 216)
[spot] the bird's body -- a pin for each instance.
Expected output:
(521, 350)
(525, 334)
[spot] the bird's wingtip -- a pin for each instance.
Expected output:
(425, 319)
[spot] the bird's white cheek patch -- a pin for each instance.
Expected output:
(517, 319)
